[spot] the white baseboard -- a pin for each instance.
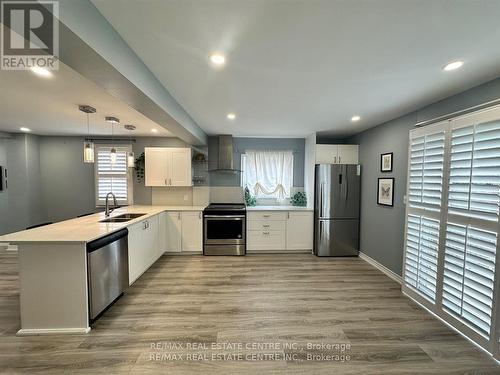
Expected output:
(52, 331)
(381, 267)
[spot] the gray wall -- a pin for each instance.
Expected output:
(48, 180)
(382, 228)
(240, 145)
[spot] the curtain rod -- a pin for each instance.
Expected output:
(268, 150)
(465, 111)
(118, 140)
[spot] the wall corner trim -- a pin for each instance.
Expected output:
(381, 267)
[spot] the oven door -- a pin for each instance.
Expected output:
(224, 229)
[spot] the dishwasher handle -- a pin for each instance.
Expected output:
(106, 240)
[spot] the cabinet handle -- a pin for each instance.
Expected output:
(266, 233)
(334, 159)
(266, 215)
(199, 215)
(265, 226)
(339, 159)
(288, 215)
(178, 215)
(170, 181)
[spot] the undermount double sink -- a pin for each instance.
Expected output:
(121, 218)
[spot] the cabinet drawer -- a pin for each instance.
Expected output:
(266, 215)
(266, 240)
(267, 225)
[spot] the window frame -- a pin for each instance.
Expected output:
(129, 175)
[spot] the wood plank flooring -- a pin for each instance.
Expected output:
(298, 303)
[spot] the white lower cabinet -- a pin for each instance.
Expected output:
(143, 246)
(173, 225)
(184, 231)
(299, 230)
(278, 231)
(192, 231)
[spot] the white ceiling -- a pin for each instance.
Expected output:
(49, 106)
(298, 66)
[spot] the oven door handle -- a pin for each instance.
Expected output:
(236, 217)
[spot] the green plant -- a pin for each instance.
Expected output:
(250, 200)
(299, 199)
(139, 168)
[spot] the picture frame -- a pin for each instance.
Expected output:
(386, 162)
(385, 191)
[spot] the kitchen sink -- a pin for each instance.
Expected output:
(121, 218)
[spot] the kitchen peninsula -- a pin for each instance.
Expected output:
(53, 269)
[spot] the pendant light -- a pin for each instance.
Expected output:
(130, 154)
(113, 121)
(88, 145)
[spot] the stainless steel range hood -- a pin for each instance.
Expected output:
(225, 162)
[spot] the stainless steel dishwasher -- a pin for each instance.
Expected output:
(107, 264)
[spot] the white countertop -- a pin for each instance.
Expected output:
(88, 228)
(279, 208)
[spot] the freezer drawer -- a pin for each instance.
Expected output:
(338, 237)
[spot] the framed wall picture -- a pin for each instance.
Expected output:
(386, 162)
(385, 192)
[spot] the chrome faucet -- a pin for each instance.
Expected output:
(107, 211)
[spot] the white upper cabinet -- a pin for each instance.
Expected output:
(155, 166)
(336, 154)
(348, 154)
(180, 171)
(167, 166)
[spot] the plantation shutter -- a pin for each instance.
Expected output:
(472, 224)
(425, 185)
(112, 178)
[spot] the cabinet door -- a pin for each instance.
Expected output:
(142, 247)
(326, 154)
(180, 167)
(173, 232)
(192, 231)
(299, 231)
(155, 166)
(150, 245)
(162, 233)
(135, 247)
(348, 154)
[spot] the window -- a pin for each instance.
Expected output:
(268, 174)
(115, 178)
(452, 223)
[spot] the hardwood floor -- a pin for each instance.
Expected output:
(298, 303)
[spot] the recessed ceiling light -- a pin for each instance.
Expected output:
(41, 71)
(25, 129)
(231, 116)
(154, 130)
(355, 118)
(113, 120)
(453, 65)
(218, 59)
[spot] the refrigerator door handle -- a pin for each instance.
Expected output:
(321, 199)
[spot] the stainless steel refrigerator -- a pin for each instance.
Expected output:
(336, 210)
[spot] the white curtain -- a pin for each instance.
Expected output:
(269, 173)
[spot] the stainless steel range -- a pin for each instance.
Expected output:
(224, 229)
